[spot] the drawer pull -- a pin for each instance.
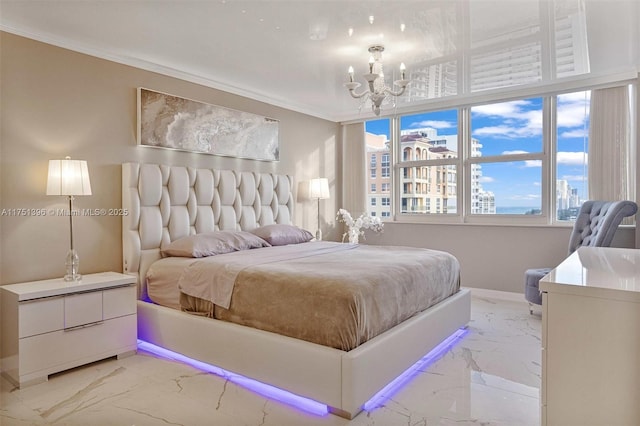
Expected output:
(91, 324)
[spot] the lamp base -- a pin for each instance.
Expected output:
(73, 278)
(73, 263)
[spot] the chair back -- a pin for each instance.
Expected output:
(598, 221)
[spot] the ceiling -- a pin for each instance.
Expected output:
(293, 54)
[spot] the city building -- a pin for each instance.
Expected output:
(425, 189)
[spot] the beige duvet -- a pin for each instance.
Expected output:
(333, 294)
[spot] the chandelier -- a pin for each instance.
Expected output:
(378, 90)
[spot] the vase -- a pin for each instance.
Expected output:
(354, 235)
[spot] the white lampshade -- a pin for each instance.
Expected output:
(68, 177)
(319, 188)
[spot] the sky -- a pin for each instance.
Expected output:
(516, 127)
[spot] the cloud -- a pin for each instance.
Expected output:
(523, 118)
(490, 130)
(572, 158)
(575, 133)
(573, 110)
(518, 119)
(486, 179)
(508, 131)
(435, 124)
(525, 197)
(572, 116)
(575, 97)
(513, 109)
(562, 158)
(573, 178)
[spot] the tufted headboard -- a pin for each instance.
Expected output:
(164, 203)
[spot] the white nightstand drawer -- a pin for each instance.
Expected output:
(81, 309)
(70, 348)
(40, 316)
(119, 302)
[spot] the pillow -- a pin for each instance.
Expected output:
(212, 243)
(280, 234)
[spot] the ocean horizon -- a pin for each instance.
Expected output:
(514, 210)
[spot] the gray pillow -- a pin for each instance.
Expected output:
(212, 243)
(280, 234)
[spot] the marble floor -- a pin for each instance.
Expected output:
(489, 377)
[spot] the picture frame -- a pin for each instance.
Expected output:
(171, 122)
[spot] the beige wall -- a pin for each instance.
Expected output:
(55, 102)
(492, 257)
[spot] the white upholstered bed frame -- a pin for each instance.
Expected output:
(168, 202)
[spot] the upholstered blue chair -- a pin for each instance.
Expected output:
(595, 226)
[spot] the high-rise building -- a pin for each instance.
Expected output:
(378, 179)
(482, 202)
(425, 189)
(567, 199)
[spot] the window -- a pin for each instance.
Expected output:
(385, 166)
(501, 134)
(572, 140)
(523, 160)
(377, 149)
(429, 146)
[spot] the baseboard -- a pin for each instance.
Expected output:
(497, 294)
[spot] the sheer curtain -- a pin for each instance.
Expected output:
(354, 171)
(611, 151)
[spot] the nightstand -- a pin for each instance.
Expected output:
(53, 325)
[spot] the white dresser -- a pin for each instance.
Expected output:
(591, 339)
(52, 325)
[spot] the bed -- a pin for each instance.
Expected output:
(167, 204)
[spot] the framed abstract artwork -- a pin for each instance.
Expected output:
(166, 121)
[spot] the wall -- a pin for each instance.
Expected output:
(55, 102)
(492, 257)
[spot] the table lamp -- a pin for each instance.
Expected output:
(69, 177)
(319, 190)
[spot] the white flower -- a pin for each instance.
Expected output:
(364, 221)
